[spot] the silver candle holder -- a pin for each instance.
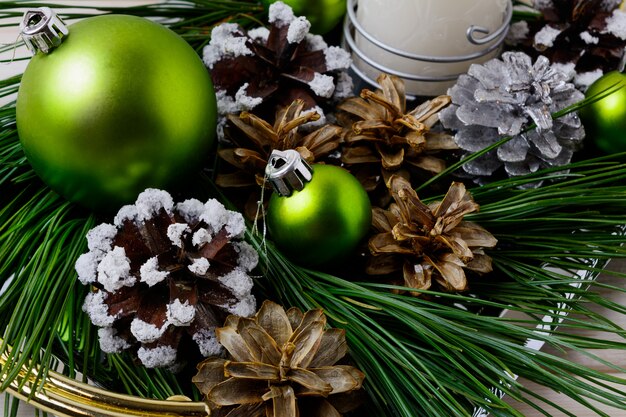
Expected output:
(364, 66)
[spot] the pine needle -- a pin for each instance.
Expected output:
(408, 346)
(437, 355)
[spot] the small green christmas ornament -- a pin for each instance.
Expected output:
(112, 105)
(324, 15)
(317, 215)
(605, 120)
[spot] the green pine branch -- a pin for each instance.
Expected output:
(408, 346)
(442, 354)
(42, 235)
(192, 19)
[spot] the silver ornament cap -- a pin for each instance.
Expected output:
(288, 172)
(42, 30)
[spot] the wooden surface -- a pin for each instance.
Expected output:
(613, 356)
(8, 35)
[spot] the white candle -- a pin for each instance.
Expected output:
(425, 27)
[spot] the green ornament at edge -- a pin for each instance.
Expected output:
(325, 221)
(324, 15)
(605, 120)
(121, 105)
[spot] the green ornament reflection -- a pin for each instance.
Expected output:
(324, 15)
(123, 104)
(605, 119)
(325, 221)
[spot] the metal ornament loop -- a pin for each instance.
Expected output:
(501, 32)
(288, 172)
(42, 30)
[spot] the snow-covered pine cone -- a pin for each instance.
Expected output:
(262, 70)
(165, 275)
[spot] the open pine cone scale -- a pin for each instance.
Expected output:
(283, 361)
(383, 138)
(255, 139)
(164, 276)
(428, 242)
(149, 305)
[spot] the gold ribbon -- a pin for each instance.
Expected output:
(66, 397)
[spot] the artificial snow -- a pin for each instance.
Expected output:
(219, 130)
(215, 215)
(126, 213)
(114, 270)
(315, 42)
(110, 342)
(588, 38)
(585, 79)
(546, 36)
(207, 342)
(150, 274)
(243, 101)
(322, 85)
(157, 357)
(280, 14)
(201, 237)
(100, 238)
(226, 104)
(227, 41)
(244, 308)
(238, 282)
(235, 224)
(199, 266)
(146, 332)
(248, 257)
(222, 33)
(314, 124)
(176, 231)
(260, 34)
(151, 201)
(517, 33)
(86, 267)
(344, 86)
(298, 29)
(232, 105)
(180, 314)
(337, 58)
(191, 210)
(616, 24)
(97, 310)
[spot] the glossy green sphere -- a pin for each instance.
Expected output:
(605, 120)
(123, 104)
(324, 15)
(324, 222)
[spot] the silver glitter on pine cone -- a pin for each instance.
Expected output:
(502, 98)
(165, 275)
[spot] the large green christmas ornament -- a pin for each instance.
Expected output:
(317, 215)
(117, 105)
(324, 15)
(605, 120)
